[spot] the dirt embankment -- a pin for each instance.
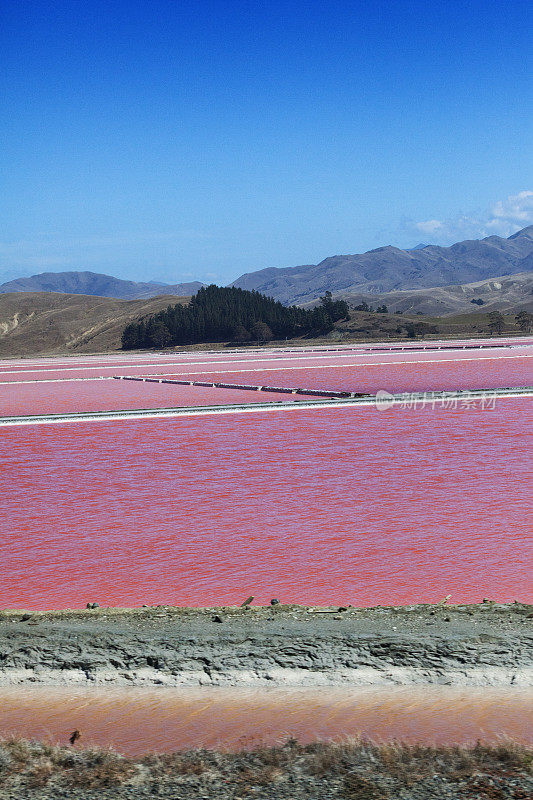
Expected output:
(484, 644)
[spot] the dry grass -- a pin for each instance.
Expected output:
(189, 763)
(44, 323)
(36, 763)
(360, 770)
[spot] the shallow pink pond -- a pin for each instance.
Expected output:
(109, 395)
(324, 506)
(396, 374)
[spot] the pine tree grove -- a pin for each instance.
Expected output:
(217, 314)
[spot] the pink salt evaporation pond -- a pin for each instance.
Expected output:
(113, 395)
(348, 505)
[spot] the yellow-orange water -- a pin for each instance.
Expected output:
(139, 720)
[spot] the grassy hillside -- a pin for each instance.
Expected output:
(505, 292)
(365, 326)
(44, 323)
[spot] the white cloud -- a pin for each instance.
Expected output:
(431, 226)
(517, 210)
(503, 218)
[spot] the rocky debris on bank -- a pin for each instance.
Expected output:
(319, 771)
(484, 644)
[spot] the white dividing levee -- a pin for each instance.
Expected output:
(381, 403)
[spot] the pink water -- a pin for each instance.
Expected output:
(63, 386)
(109, 395)
(54, 369)
(418, 375)
(138, 720)
(505, 363)
(325, 506)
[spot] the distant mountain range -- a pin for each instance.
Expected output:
(373, 274)
(96, 284)
(389, 269)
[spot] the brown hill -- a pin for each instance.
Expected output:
(44, 323)
(506, 292)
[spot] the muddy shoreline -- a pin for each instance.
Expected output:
(484, 644)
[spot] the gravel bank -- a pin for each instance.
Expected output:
(484, 644)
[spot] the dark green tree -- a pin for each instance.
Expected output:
(214, 314)
(496, 323)
(335, 309)
(421, 329)
(524, 320)
(261, 332)
(240, 334)
(130, 337)
(159, 334)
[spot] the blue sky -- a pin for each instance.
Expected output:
(180, 140)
